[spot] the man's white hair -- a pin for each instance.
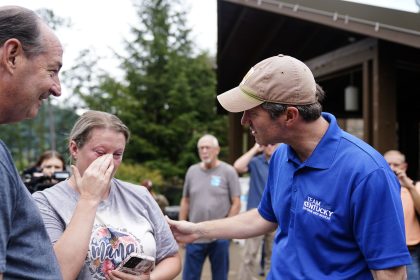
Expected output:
(213, 139)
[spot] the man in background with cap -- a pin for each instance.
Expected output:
(332, 198)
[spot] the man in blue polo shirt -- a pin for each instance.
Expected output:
(332, 198)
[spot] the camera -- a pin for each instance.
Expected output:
(35, 180)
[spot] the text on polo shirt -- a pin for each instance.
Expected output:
(314, 207)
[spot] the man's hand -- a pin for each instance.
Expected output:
(183, 231)
(259, 148)
(405, 181)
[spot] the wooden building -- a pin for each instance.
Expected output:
(366, 58)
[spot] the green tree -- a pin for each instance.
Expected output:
(26, 140)
(167, 95)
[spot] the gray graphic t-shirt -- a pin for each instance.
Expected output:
(128, 221)
(210, 192)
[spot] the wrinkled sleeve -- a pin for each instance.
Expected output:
(166, 245)
(186, 188)
(378, 221)
(233, 182)
(7, 198)
(53, 223)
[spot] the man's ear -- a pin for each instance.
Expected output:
(12, 49)
(292, 113)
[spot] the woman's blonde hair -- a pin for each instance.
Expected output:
(90, 120)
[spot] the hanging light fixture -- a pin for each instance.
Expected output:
(351, 96)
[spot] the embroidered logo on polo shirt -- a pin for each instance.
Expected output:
(315, 207)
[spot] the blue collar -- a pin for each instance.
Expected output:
(324, 153)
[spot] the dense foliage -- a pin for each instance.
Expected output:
(166, 96)
(27, 140)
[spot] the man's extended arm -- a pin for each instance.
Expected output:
(242, 226)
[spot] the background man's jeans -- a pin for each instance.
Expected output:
(413, 270)
(196, 253)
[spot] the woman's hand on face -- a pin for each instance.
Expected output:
(96, 178)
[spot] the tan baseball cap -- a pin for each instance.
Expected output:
(279, 79)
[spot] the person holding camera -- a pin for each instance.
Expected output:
(50, 162)
(47, 171)
(102, 227)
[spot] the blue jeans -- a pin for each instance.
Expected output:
(195, 255)
(413, 269)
